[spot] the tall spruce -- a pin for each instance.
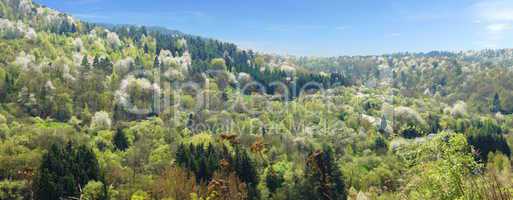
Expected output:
(120, 141)
(496, 103)
(64, 172)
(323, 179)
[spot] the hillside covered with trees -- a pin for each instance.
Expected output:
(94, 111)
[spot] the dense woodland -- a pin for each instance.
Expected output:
(94, 111)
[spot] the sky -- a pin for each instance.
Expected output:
(320, 27)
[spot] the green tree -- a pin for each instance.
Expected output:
(322, 179)
(120, 141)
(496, 103)
(441, 167)
(246, 170)
(3, 80)
(13, 190)
(64, 171)
(218, 64)
(94, 190)
(383, 125)
(487, 142)
(273, 180)
(64, 107)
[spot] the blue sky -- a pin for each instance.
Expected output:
(317, 28)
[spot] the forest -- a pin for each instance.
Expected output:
(97, 112)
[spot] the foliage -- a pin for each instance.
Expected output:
(65, 170)
(208, 120)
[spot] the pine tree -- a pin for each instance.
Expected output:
(496, 104)
(85, 165)
(64, 171)
(120, 141)
(246, 170)
(486, 142)
(96, 62)
(273, 180)
(383, 126)
(181, 155)
(47, 185)
(146, 48)
(73, 28)
(156, 62)
(85, 115)
(138, 64)
(323, 180)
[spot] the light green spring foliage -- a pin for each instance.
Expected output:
(53, 99)
(140, 195)
(218, 64)
(442, 165)
(12, 189)
(93, 190)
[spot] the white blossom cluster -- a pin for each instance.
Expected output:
(459, 109)
(66, 73)
(243, 77)
(231, 78)
(286, 67)
(49, 86)
(78, 44)
(174, 67)
(181, 63)
(113, 39)
(130, 84)
(92, 34)
(21, 7)
(50, 18)
(14, 30)
(407, 115)
(77, 58)
(101, 121)
(123, 66)
(26, 61)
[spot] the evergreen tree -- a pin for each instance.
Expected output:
(323, 179)
(496, 104)
(64, 171)
(486, 142)
(246, 170)
(85, 165)
(138, 64)
(73, 28)
(156, 62)
(383, 125)
(146, 49)
(47, 184)
(120, 141)
(273, 180)
(181, 154)
(96, 62)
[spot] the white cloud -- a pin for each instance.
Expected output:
(496, 19)
(499, 27)
(495, 10)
